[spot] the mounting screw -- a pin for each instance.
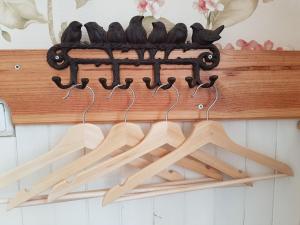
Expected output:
(17, 67)
(56, 57)
(200, 106)
(210, 56)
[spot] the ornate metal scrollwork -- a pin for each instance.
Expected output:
(58, 57)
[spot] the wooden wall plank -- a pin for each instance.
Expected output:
(169, 209)
(163, 212)
(137, 212)
(13, 217)
(252, 205)
(199, 205)
(31, 142)
(111, 214)
(261, 136)
(141, 211)
(287, 199)
(230, 202)
(8, 160)
(252, 84)
(64, 212)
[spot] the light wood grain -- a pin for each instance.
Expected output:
(253, 84)
(215, 201)
(191, 164)
(42, 199)
(148, 191)
(161, 133)
(204, 132)
(77, 137)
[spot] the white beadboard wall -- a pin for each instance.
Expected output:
(273, 202)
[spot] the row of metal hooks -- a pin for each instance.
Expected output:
(59, 59)
(128, 81)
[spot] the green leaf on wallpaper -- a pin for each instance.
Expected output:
(234, 12)
(19, 14)
(6, 35)
(80, 3)
(148, 20)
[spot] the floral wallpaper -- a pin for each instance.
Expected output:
(18, 14)
(215, 13)
(22, 14)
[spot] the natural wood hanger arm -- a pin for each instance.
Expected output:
(219, 164)
(221, 139)
(191, 164)
(77, 137)
(160, 134)
(204, 133)
(169, 175)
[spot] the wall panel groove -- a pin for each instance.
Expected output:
(266, 203)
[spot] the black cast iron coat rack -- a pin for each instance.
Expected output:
(59, 59)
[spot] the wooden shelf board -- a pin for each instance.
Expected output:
(252, 84)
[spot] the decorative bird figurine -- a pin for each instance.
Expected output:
(158, 34)
(177, 34)
(203, 36)
(116, 33)
(72, 34)
(96, 33)
(135, 32)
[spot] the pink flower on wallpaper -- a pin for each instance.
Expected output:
(254, 45)
(142, 6)
(201, 6)
(268, 45)
(229, 46)
(205, 6)
(152, 6)
(251, 45)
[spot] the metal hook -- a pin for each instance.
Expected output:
(104, 84)
(213, 103)
(73, 79)
(132, 101)
(57, 81)
(196, 90)
(177, 98)
(89, 105)
(193, 82)
(157, 82)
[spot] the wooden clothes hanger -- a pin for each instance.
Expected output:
(120, 135)
(159, 134)
(205, 132)
(80, 136)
